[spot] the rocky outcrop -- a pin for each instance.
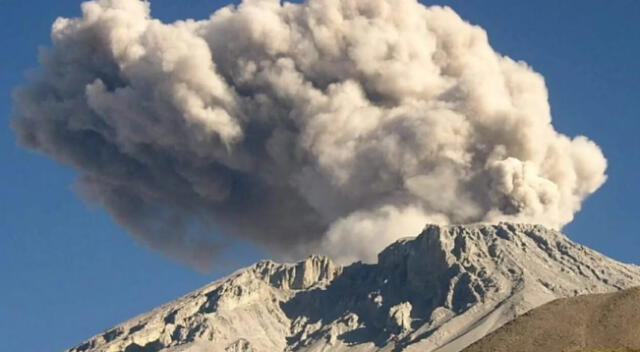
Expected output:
(440, 291)
(304, 275)
(400, 319)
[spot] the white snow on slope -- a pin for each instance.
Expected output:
(440, 291)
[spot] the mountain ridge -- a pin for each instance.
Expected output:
(440, 291)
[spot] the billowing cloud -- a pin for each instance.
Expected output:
(332, 126)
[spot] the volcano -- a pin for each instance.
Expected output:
(440, 291)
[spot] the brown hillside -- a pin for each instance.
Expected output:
(604, 322)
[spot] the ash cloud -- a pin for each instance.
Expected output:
(332, 126)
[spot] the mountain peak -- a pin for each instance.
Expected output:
(515, 252)
(439, 291)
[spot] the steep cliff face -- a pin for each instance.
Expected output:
(440, 291)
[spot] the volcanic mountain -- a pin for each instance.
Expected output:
(440, 291)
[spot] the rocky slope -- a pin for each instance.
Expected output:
(440, 291)
(585, 323)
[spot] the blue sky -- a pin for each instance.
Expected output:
(69, 272)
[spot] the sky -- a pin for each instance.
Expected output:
(70, 272)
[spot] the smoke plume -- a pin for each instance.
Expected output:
(331, 126)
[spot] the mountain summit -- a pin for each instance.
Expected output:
(440, 291)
